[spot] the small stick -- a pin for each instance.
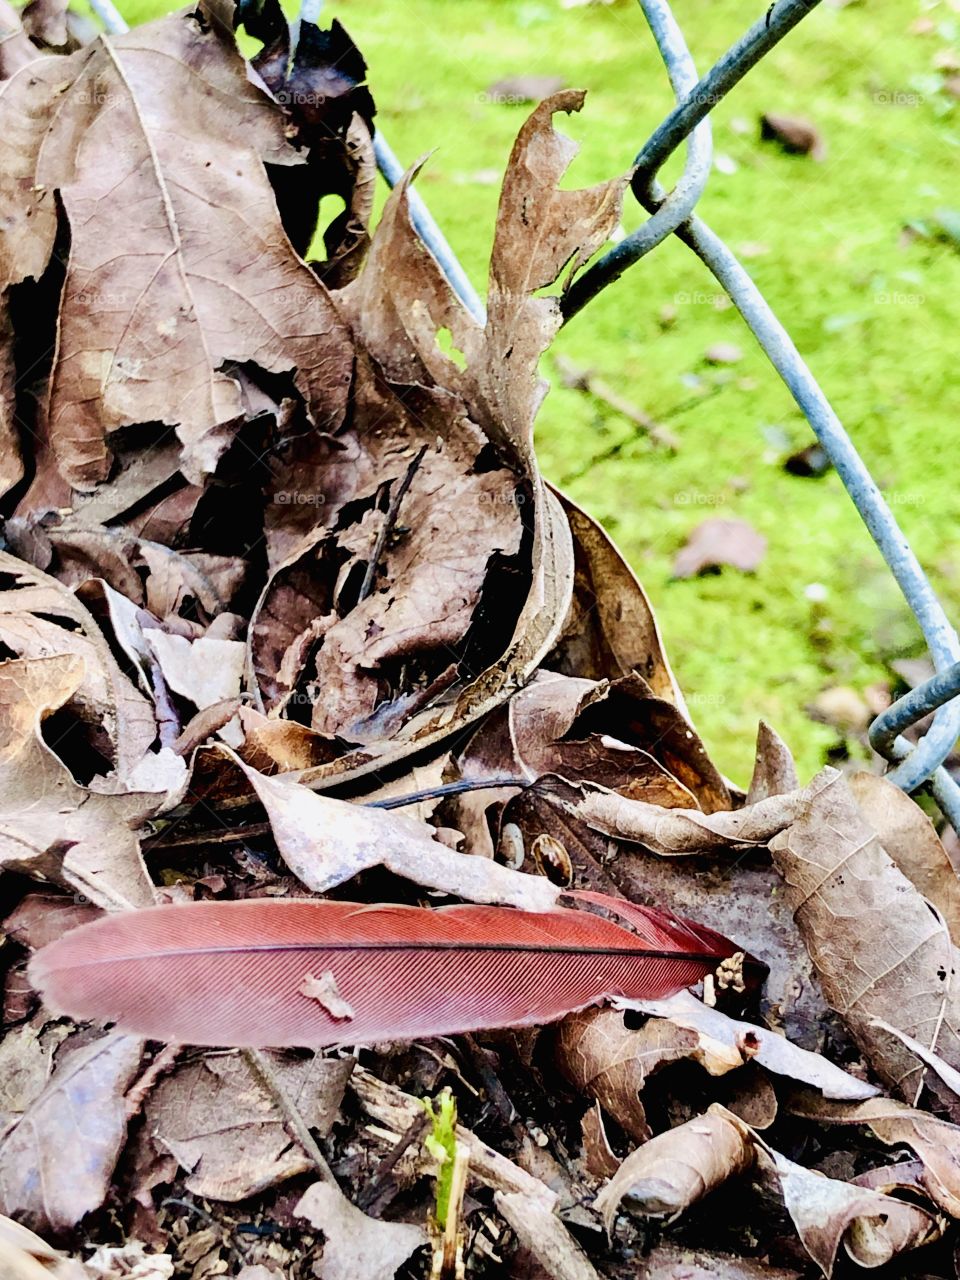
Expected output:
(254, 830)
(301, 1130)
(371, 1199)
(390, 519)
(578, 379)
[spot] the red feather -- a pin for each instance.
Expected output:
(233, 973)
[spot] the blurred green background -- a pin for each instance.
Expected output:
(859, 255)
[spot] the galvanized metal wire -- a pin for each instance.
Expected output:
(672, 213)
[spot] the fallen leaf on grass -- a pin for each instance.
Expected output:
(795, 135)
(57, 1163)
(354, 1244)
(718, 542)
(880, 952)
(214, 1116)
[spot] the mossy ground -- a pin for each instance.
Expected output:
(877, 318)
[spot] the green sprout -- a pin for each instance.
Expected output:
(441, 1142)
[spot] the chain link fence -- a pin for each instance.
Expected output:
(913, 766)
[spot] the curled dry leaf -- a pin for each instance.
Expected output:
(611, 630)
(57, 1162)
(354, 1244)
(49, 825)
(675, 832)
(673, 1171)
(881, 954)
(677, 1168)
(215, 1117)
(936, 1142)
(745, 1041)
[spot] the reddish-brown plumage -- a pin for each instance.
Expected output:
(233, 973)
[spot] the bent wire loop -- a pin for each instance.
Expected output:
(672, 213)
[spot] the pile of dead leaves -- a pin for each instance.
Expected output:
(274, 529)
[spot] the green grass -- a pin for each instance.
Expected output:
(876, 318)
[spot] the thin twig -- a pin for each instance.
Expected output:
(578, 379)
(389, 520)
(299, 1127)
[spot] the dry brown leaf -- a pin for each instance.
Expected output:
(774, 772)
(758, 1044)
(936, 1142)
(56, 1164)
(677, 1168)
(325, 842)
(215, 1117)
(600, 1056)
(611, 629)
(40, 618)
(354, 1244)
(139, 316)
(49, 825)
(909, 837)
(598, 1155)
(879, 950)
(46, 22)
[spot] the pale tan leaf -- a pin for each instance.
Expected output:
(880, 952)
(770, 1050)
(325, 842)
(774, 772)
(24, 1256)
(215, 1117)
(58, 1161)
(909, 837)
(354, 1244)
